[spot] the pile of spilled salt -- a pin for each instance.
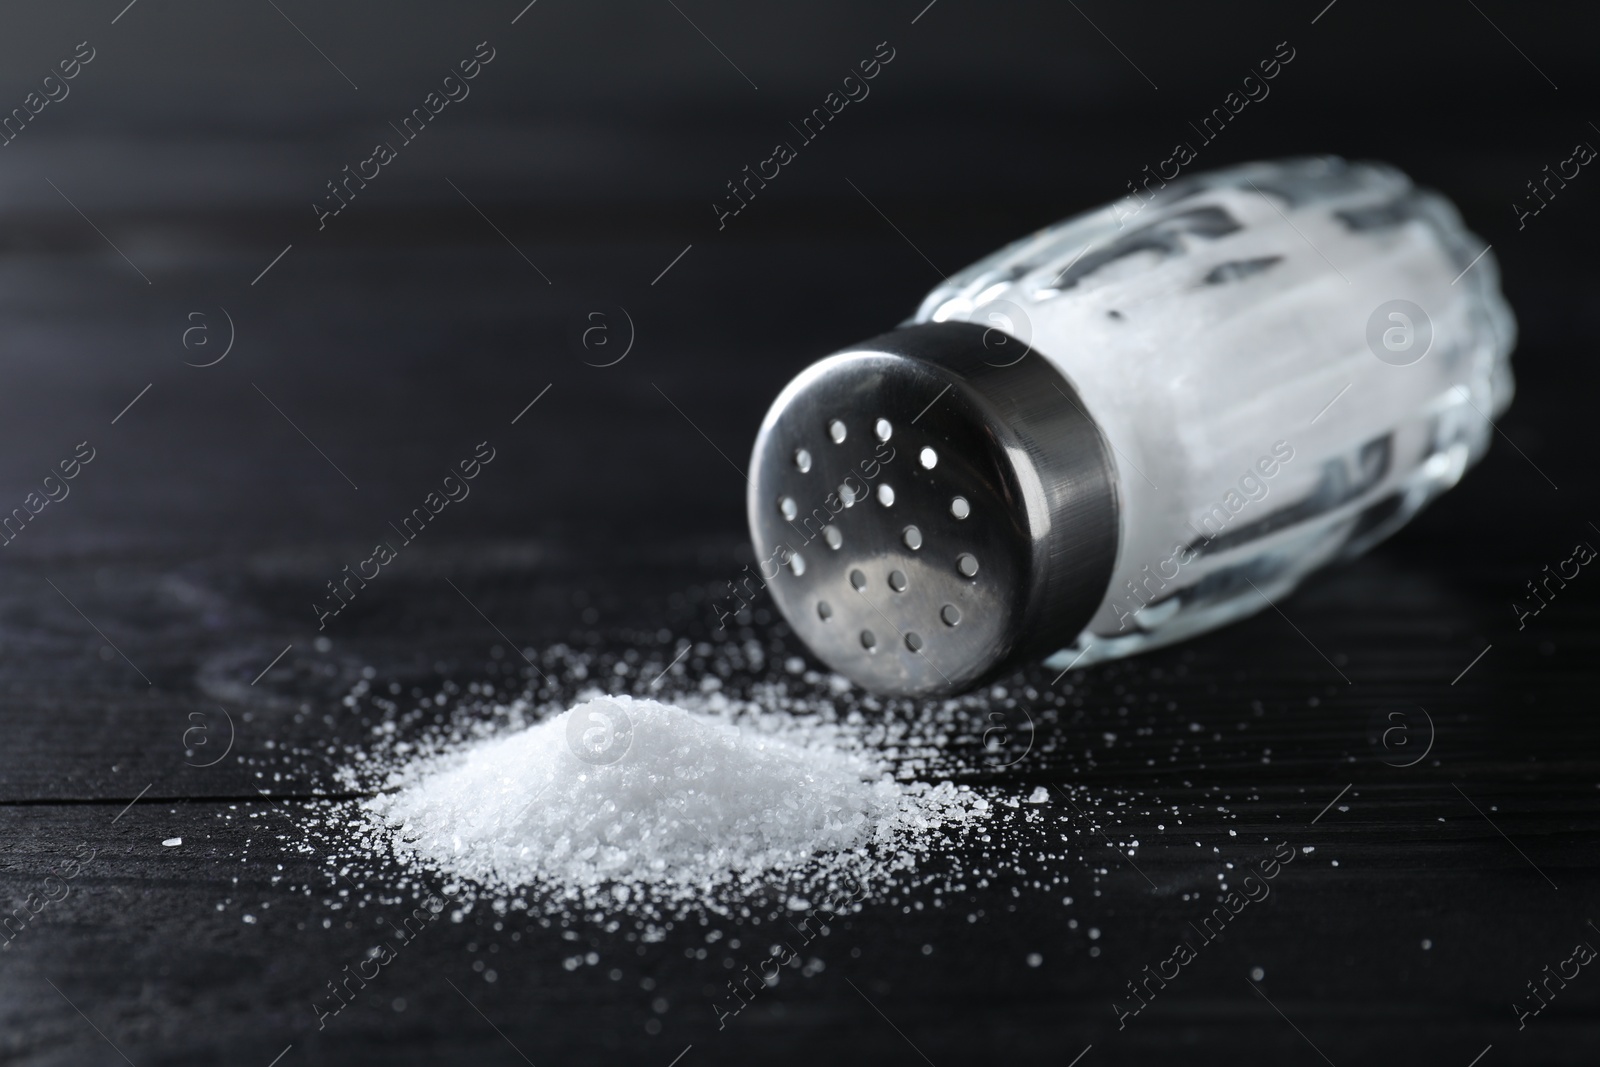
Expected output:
(622, 797)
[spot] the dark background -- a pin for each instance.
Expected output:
(410, 329)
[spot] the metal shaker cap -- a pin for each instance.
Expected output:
(927, 512)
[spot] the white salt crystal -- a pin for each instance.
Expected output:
(622, 792)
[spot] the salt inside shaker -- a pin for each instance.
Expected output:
(1132, 427)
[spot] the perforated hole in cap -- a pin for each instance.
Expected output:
(879, 579)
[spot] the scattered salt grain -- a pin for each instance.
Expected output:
(621, 798)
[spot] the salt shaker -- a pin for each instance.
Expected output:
(1132, 426)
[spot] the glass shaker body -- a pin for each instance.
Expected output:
(1286, 362)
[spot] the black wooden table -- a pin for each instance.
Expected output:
(1430, 760)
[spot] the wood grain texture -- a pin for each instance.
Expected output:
(380, 353)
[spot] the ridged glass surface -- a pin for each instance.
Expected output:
(1288, 361)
